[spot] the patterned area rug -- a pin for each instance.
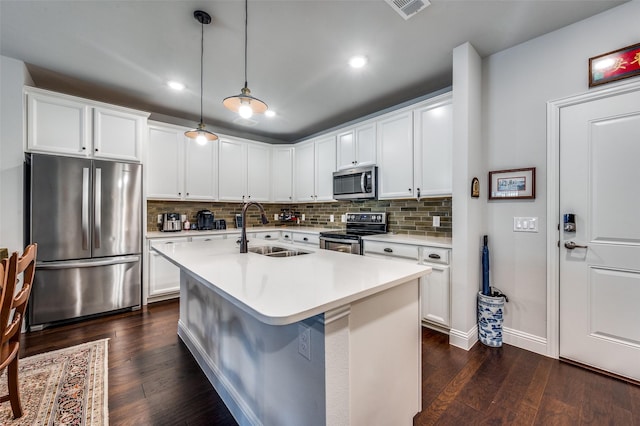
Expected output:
(63, 387)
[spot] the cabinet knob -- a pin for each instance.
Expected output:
(180, 194)
(289, 197)
(84, 148)
(96, 149)
(409, 189)
(187, 194)
(266, 237)
(434, 256)
(286, 236)
(388, 250)
(305, 239)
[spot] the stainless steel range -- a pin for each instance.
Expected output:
(358, 225)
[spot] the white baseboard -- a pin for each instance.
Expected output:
(524, 340)
(462, 339)
(517, 338)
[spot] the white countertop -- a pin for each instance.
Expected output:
(280, 291)
(180, 234)
(410, 239)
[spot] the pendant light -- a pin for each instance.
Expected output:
(200, 134)
(243, 103)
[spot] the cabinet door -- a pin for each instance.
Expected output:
(201, 165)
(346, 151)
(57, 125)
(365, 145)
(282, 174)
(395, 156)
(117, 134)
(164, 163)
(325, 165)
(232, 171)
(433, 148)
(303, 172)
(435, 295)
(164, 276)
(258, 172)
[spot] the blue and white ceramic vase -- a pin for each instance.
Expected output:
(490, 317)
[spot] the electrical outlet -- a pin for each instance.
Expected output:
(304, 341)
(303, 217)
(159, 218)
(343, 218)
(275, 216)
(331, 218)
(436, 221)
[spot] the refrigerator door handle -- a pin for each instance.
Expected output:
(87, 263)
(97, 213)
(85, 208)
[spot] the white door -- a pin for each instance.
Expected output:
(600, 275)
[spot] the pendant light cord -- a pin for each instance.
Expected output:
(246, 24)
(201, 66)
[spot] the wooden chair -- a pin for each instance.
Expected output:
(12, 309)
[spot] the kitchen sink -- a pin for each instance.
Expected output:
(275, 251)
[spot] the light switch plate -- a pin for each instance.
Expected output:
(525, 224)
(331, 218)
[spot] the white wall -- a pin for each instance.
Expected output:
(517, 84)
(13, 75)
(469, 224)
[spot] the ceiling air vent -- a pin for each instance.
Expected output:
(408, 8)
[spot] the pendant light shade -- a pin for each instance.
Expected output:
(201, 134)
(243, 103)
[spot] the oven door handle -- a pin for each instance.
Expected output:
(362, 178)
(339, 240)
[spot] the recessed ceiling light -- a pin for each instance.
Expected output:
(175, 85)
(357, 61)
(270, 113)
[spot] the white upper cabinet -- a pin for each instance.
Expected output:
(117, 134)
(178, 168)
(395, 155)
(258, 172)
(433, 146)
(314, 164)
(357, 146)
(244, 171)
(200, 170)
(66, 125)
(164, 164)
(282, 173)
(304, 174)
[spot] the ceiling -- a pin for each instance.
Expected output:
(124, 52)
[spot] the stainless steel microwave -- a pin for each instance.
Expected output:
(359, 183)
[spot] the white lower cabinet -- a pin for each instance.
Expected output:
(434, 288)
(164, 276)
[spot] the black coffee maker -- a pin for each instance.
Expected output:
(205, 220)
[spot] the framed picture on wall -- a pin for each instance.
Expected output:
(616, 65)
(512, 184)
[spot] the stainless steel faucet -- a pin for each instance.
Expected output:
(243, 236)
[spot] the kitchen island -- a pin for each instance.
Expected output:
(318, 338)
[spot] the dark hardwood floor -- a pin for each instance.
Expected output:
(153, 380)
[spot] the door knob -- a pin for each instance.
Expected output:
(571, 245)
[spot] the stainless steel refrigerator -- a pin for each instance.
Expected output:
(86, 216)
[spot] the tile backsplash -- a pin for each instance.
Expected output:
(404, 216)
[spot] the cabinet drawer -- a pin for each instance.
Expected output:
(306, 238)
(208, 237)
(286, 236)
(435, 255)
(392, 250)
(273, 235)
(164, 241)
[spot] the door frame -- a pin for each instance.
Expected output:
(553, 202)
